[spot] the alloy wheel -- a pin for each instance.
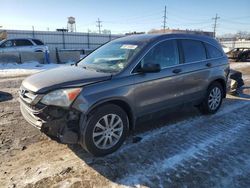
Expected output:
(214, 98)
(107, 131)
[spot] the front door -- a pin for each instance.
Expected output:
(155, 91)
(24, 45)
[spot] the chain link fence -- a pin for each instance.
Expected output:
(64, 40)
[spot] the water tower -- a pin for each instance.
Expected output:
(71, 24)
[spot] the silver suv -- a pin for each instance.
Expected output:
(22, 45)
(97, 101)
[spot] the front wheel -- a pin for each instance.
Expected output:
(212, 102)
(106, 130)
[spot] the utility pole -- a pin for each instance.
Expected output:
(215, 24)
(165, 19)
(99, 25)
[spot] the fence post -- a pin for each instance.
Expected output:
(88, 40)
(33, 31)
(234, 41)
(109, 36)
(63, 37)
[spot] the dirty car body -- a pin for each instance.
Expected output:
(125, 81)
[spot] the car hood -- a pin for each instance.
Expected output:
(62, 77)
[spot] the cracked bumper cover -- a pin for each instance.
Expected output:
(56, 122)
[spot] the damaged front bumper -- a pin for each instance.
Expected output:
(56, 122)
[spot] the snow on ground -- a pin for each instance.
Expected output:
(14, 69)
(239, 65)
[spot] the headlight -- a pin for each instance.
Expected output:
(62, 97)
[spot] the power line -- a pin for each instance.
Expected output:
(215, 23)
(165, 19)
(99, 25)
(234, 22)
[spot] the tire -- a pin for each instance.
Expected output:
(206, 107)
(115, 135)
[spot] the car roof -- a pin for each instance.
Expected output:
(19, 39)
(22, 39)
(156, 37)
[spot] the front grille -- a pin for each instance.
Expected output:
(28, 96)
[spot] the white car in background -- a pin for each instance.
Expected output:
(22, 45)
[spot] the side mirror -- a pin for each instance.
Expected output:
(150, 68)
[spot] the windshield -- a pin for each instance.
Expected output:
(112, 57)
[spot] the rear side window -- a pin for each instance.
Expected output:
(23, 42)
(213, 52)
(164, 53)
(193, 51)
(38, 42)
(7, 44)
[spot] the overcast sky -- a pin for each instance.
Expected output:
(121, 16)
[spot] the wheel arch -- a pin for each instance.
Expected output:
(122, 104)
(223, 84)
(38, 50)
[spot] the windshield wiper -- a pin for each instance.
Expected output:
(97, 70)
(104, 71)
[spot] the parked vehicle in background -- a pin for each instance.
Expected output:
(22, 45)
(97, 101)
(239, 54)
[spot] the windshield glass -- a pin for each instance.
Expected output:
(111, 57)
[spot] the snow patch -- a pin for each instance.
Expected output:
(178, 159)
(14, 69)
(239, 65)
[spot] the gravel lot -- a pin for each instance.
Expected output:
(179, 149)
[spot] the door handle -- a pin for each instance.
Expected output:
(209, 64)
(176, 71)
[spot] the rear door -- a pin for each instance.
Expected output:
(156, 91)
(24, 45)
(195, 69)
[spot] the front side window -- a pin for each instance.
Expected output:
(193, 51)
(111, 57)
(165, 54)
(38, 42)
(212, 51)
(23, 42)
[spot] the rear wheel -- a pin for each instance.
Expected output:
(106, 130)
(212, 102)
